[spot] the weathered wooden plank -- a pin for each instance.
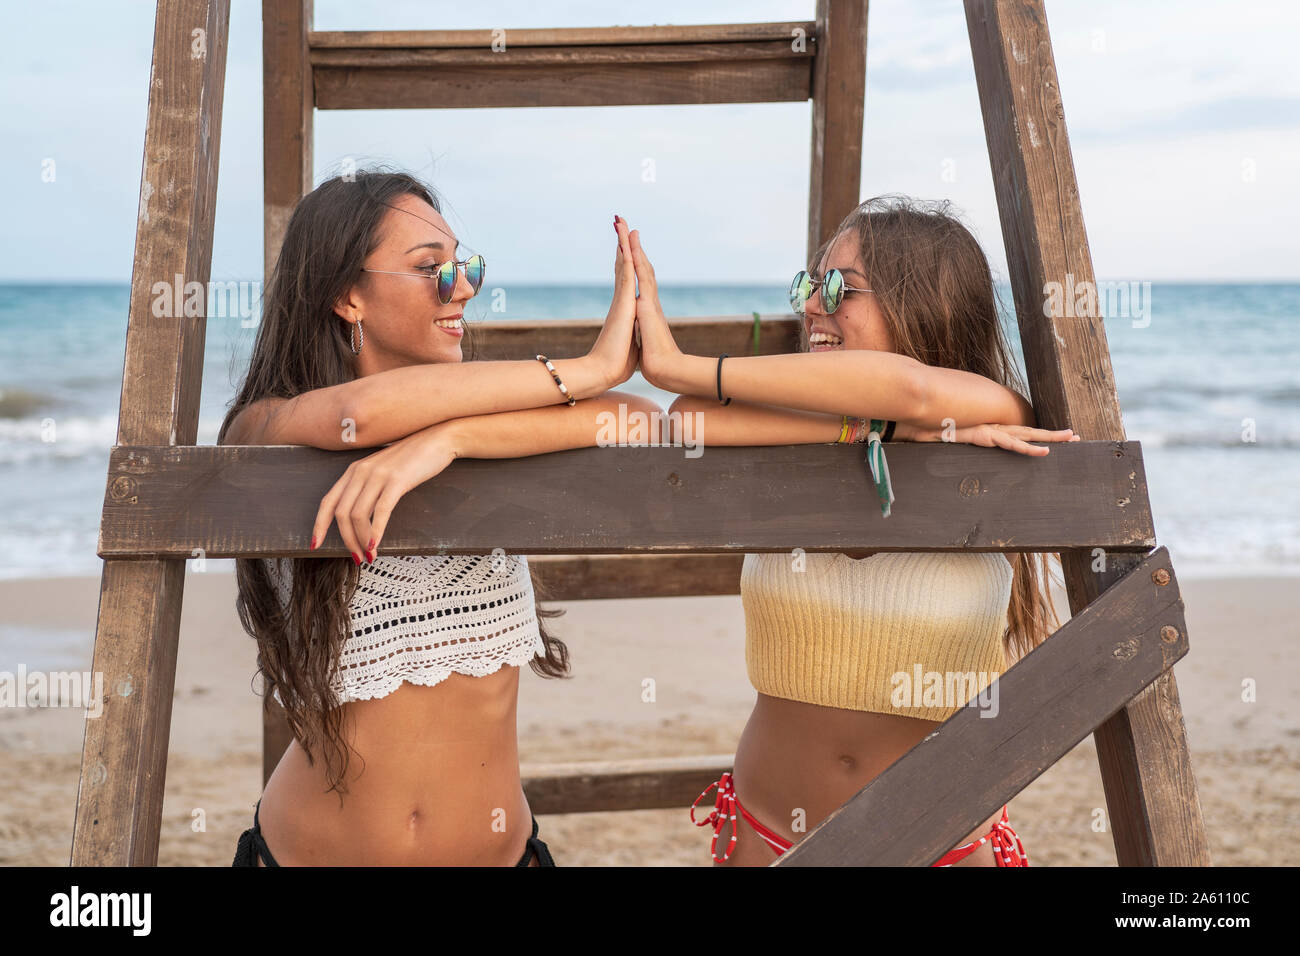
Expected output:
(550, 56)
(598, 576)
(653, 784)
(124, 752)
(1145, 764)
(571, 37)
(261, 500)
(287, 101)
(1031, 716)
(839, 92)
(595, 84)
(498, 339)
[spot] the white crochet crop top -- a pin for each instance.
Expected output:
(421, 618)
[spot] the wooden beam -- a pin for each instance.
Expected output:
(721, 63)
(262, 500)
(589, 81)
(839, 92)
(592, 577)
(1145, 764)
(124, 752)
(564, 37)
(497, 339)
(287, 101)
(1035, 713)
(405, 58)
(661, 783)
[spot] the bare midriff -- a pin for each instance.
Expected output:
(796, 763)
(434, 781)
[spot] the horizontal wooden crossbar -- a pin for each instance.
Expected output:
(175, 501)
(558, 37)
(593, 786)
(728, 63)
(593, 577)
(569, 338)
(942, 788)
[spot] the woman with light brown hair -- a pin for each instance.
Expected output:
(901, 340)
(408, 662)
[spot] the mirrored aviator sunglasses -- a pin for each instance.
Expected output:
(803, 286)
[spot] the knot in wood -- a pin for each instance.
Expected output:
(969, 487)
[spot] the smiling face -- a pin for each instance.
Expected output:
(858, 323)
(402, 319)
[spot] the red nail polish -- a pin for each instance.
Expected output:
(312, 547)
(370, 557)
(371, 545)
(356, 559)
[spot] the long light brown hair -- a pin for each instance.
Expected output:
(301, 345)
(934, 287)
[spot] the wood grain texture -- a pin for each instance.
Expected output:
(651, 784)
(1146, 767)
(287, 118)
(591, 577)
(227, 501)
(626, 83)
(499, 339)
(839, 94)
(945, 786)
(124, 752)
(568, 37)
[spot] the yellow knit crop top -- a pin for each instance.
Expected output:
(894, 632)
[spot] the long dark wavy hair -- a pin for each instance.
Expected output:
(933, 284)
(301, 344)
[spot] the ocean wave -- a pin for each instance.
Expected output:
(75, 437)
(17, 402)
(1219, 440)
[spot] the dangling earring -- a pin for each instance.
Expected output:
(356, 349)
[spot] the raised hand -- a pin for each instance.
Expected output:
(615, 349)
(659, 351)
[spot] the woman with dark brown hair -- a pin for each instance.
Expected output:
(901, 340)
(408, 662)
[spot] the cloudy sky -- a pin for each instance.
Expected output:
(1184, 119)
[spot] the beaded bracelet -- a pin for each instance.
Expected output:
(556, 375)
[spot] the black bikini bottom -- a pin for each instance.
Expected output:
(252, 845)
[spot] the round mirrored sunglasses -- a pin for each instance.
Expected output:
(832, 287)
(445, 274)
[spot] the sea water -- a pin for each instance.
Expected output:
(1208, 379)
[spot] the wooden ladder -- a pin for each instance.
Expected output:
(1107, 671)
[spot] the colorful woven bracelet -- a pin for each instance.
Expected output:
(556, 375)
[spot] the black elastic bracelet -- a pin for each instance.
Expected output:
(889, 432)
(720, 358)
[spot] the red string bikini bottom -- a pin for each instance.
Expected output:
(1007, 848)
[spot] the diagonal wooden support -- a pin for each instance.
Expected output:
(1146, 768)
(124, 754)
(980, 758)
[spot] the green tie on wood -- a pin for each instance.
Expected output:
(879, 467)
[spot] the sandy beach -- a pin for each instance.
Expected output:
(1246, 755)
